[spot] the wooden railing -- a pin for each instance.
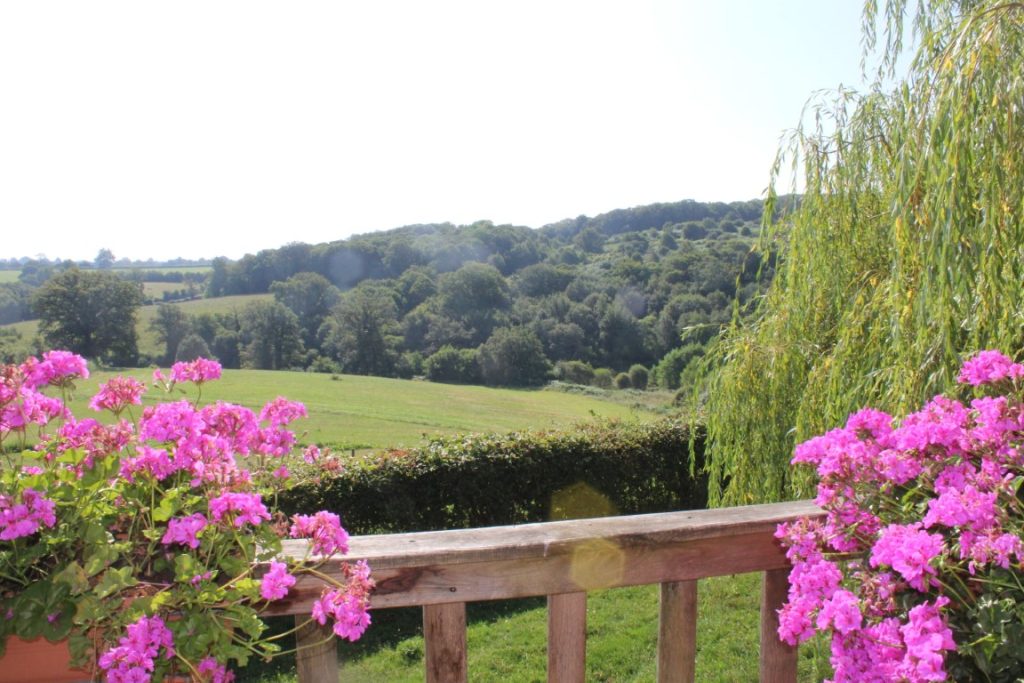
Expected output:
(443, 570)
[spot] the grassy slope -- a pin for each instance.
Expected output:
(374, 412)
(9, 275)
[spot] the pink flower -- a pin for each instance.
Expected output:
(200, 370)
(216, 672)
(348, 607)
(311, 454)
(325, 529)
(133, 658)
(276, 582)
(184, 530)
(243, 507)
(909, 550)
(841, 612)
(926, 636)
(281, 411)
(57, 367)
(988, 367)
(18, 520)
(118, 394)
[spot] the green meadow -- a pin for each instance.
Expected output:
(9, 275)
(352, 411)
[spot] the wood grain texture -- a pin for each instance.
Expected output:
(524, 541)
(562, 573)
(778, 660)
(567, 638)
(444, 635)
(317, 658)
(677, 632)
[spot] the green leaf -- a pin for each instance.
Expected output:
(74, 577)
(113, 581)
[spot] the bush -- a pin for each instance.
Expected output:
(513, 356)
(669, 369)
(622, 381)
(453, 365)
(192, 347)
(603, 378)
(490, 479)
(638, 377)
(574, 372)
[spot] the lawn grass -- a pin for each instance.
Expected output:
(357, 412)
(507, 641)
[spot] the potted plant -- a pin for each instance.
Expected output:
(915, 569)
(149, 542)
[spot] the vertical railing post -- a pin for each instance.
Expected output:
(778, 660)
(444, 635)
(677, 632)
(567, 638)
(317, 658)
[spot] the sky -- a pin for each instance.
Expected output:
(221, 127)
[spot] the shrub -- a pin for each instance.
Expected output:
(603, 378)
(453, 365)
(190, 348)
(622, 381)
(669, 369)
(489, 479)
(638, 377)
(574, 372)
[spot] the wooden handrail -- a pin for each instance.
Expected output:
(443, 570)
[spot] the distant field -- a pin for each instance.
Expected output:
(224, 304)
(375, 412)
(9, 275)
(161, 269)
(157, 289)
(147, 341)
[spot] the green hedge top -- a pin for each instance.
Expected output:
(491, 479)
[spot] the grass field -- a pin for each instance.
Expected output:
(168, 269)
(156, 289)
(507, 641)
(9, 275)
(373, 412)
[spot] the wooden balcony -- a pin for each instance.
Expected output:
(443, 570)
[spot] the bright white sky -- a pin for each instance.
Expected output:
(210, 127)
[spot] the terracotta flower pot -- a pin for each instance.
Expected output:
(39, 661)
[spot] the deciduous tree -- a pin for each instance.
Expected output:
(90, 313)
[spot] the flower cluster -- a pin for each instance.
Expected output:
(166, 515)
(921, 534)
(134, 657)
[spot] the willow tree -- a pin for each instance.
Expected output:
(904, 254)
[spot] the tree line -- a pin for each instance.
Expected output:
(585, 300)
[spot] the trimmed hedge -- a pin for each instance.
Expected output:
(492, 479)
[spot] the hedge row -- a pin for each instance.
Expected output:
(484, 480)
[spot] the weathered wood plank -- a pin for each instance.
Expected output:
(778, 660)
(586, 569)
(677, 632)
(552, 538)
(317, 658)
(567, 638)
(444, 635)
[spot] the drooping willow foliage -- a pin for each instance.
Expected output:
(905, 253)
